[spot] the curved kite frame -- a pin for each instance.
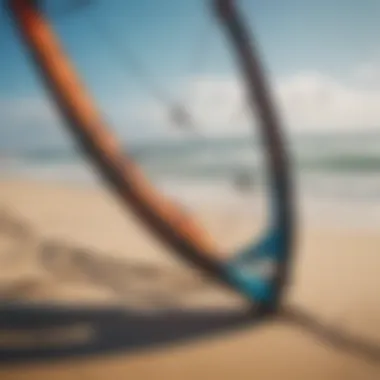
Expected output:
(162, 217)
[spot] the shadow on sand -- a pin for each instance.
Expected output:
(46, 332)
(34, 330)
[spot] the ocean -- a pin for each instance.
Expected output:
(336, 176)
(332, 165)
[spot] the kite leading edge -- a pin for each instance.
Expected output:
(259, 271)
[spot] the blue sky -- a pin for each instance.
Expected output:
(310, 44)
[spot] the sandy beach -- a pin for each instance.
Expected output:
(50, 232)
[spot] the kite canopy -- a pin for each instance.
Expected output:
(259, 271)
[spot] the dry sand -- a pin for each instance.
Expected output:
(74, 244)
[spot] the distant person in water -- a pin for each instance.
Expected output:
(244, 181)
(181, 118)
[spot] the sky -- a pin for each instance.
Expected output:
(322, 57)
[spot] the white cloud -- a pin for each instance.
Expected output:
(21, 111)
(213, 104)
(315, 101)
(307, 100)
(214, 101)
(368, 74)
(34, 121)
(27, 122)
